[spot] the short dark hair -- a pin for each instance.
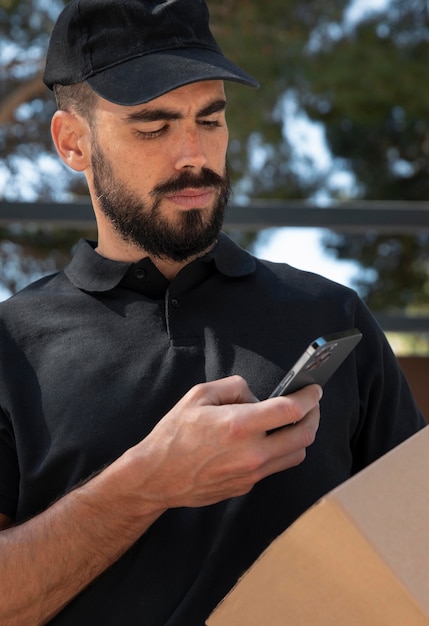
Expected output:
(78, 97)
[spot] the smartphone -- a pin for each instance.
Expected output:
(317, 364)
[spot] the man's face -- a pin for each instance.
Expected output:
(159, 170)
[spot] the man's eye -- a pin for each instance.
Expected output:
(150, 134)
(210, 124)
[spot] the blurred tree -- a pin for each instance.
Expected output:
(29, 169)
(364, 81)
(367, 86)
(30, 252)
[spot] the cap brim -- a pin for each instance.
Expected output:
(145, 78)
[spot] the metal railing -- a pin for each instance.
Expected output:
(393, 217)
(353, 217)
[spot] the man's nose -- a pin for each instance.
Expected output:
(190, 150)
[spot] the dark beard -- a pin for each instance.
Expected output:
(144, 225)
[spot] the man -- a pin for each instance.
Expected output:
(137, 479)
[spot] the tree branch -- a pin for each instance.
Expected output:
(24, 93)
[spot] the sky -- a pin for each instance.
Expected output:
(301, 247)
(359, 8)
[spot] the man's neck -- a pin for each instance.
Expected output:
(129, 253)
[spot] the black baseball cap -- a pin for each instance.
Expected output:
(132, 51)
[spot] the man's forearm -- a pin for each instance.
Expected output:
(48, 560)
(211, 446)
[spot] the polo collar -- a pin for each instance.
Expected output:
(93, 273)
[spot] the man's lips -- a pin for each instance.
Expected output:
(192, 198)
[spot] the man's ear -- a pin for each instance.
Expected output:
(71, 136)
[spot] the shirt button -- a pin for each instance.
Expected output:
(140, 273)
(175, 302)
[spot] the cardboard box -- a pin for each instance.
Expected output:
(360, 556)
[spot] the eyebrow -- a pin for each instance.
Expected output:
(154, 115)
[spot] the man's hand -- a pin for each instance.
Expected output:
(213, 444)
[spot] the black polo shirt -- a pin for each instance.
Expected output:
(92, 358)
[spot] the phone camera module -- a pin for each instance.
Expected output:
(320, 357)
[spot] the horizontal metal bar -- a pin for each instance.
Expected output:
(392, 217)
(350, 217)
(64, 214)
(402, 324)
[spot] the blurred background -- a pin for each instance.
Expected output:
(342, 117)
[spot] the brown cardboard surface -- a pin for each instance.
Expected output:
(416, 369)
(359, 557)
(389, 503)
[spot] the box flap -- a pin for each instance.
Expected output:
(360, 556)
(389, 503)
(321, 572)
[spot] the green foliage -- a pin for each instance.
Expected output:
(268, 39)
(26, 253)
(365, 83)
(397, 267)
(368, 89)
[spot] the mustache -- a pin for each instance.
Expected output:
(206, 178)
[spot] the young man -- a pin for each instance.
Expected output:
(137, 481)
